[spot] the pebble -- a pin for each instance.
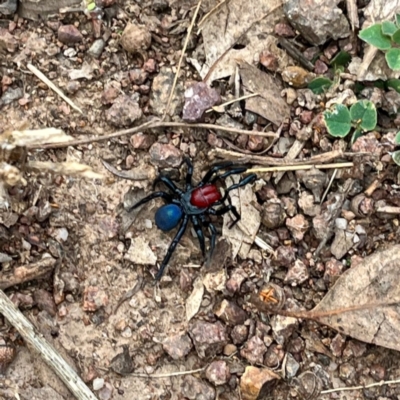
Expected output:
(94, 299)
(196, 389)
(257, 382)
(177, 346)
(124, 112)
(98, 383)
(254, 350)
(69, 34)
(283, 327)
(297, 274)
(199, 98)
(292, 366)
(208, 338)
(298, 226)
(239, 334)
(218, 372)
(135, 38)
(97, 48)
(165, 155)
(230, 313)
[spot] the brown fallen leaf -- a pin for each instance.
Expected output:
(65, 168)
(364, 303)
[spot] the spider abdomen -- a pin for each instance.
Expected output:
(205, 196)
(168, 216)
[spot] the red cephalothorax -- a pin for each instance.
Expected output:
(205, 196)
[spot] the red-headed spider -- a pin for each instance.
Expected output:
(194, 204)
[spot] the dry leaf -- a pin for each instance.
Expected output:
(227, 25)
(140, 252)
(37, 137)
(374, 280)
(193, 302)
(243, 234)
(65, 168)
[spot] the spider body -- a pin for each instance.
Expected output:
(194, 204)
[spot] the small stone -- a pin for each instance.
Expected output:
(256, 383)
(138, 76)
(142, 141)
(98, 383)
(94, 299)
(274, 356)
(292, 366)
(218, 373)
(296, 76)
(285, 256)
(284, 30)
(239, 334)
(347, 372)
(209, 339)
(178, 346)
(8, 41)
(165, 155)
(255, 143)
(230, 313)
(69, 34)
(320, 67)
(96, 48)
(150, 66)
(122, 363)
(377, 372)
(230, 349)
(283, 327)
(45, 301)
(109, 95)
(368, 144)
(196, 389)
(235, 281)
(298, 226)
(105, 393)
(135, 38)
(297, 274)
(273, 213)
(307, 204)
(124, 112)
(72, 87)
(254, 350)
(337, 345)
(199, 98)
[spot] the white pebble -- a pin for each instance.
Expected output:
(98, 383)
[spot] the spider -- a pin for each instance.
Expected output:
(194, 204)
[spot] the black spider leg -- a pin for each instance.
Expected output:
(230, 207)
(189, 173)
(199, 233)
(213, 170)
(169, 184)
(213, 232)
(173, 245)
(152, 196)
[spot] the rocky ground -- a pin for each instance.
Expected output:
(197, 334)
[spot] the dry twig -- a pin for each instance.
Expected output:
(45, 350)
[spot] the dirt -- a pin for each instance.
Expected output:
(90, 232)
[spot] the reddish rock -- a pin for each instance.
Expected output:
(109, 95)
(150, 66)
(239, 334)
(138, 76)
(273, 213)
(368, 144)
(298, 226)
(209, 339)
(284, 30)
(333, 269)
(125, 111)
(196, 389)
(256, 383)
(45, 301)
(269, 60)
(285, 256)
(235, 281)
(178, 346)
(142, 141)
(320, 67)
(69, 34)
(230, 313)
(274, 356)
(199, 98)
(218, 372)
(337, 345)
(297, 274)
(283, 327)
(94, 299)
(254, 350)
(255, 143)
(165, 155)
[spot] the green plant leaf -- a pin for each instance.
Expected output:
(338, 120)
(363, 113)
(393, 59)
(341, 59)
(373, 35)
(396, 157)
(388, 28)
(320, 85)
(379, 84)
(398, 20)
(396, 36)
(356, 134)
(397, 139)
(394, 84)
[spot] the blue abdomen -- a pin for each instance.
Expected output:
(168, 217)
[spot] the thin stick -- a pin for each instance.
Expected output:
(181, 58)
(166, 375)
(52, 86)
(300, 167)
(343, 389)
(247, 96)
(329, 185)
(146, 126)
(212, 11)
(45, 350)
